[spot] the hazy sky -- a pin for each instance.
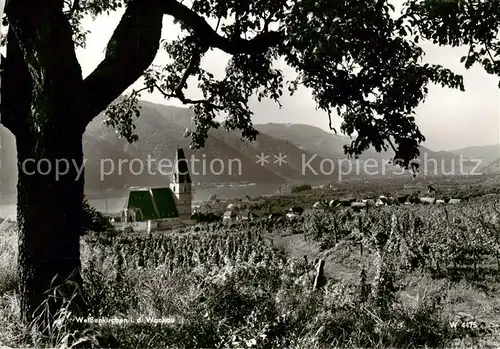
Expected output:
(449, 119)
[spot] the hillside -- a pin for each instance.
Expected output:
(8, 161)
(491, 168)
(159, 136)
(308, 138)
(100, 155)
(225, 159)
(267, 144)
(486, 153)
(329, 145)
(161, 129)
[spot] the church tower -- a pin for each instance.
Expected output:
(180, 185)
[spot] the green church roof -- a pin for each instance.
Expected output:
(165, 202)
(154, 203)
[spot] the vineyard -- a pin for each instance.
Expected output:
(393, 277)
(462, 241)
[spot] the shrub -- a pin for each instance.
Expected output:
(93, 220)
(206, 217)
(301, 187)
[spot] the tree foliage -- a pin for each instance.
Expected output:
(471, 23)
(93, 220)
(361, 59)
(301, 187)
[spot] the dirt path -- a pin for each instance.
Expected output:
(297, 247)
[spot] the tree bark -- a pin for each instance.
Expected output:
(50, 222)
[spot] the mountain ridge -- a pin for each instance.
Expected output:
(485, 153)
(161, 130)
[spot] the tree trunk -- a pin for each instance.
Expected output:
(48, 113)
(48, 130)
(50, 220)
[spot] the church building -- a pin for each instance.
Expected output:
(156, 205)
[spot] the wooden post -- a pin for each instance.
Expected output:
(360, 226)
(394, 222)
(319, 280)
(335, 230)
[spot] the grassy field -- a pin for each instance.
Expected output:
(394, 277)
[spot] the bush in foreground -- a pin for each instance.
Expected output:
(94, 220)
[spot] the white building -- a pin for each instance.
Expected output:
(181, 185)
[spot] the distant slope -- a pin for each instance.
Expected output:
(294, 160)
(329, 145)
(491, 168)
(103, 158)
(8, 162)
(309, 138)
(264, 144)
(161, 133)
(224, 159)
(486, 153)
(96, 153)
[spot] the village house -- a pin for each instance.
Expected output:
(245, 215)
(294, 212)
(229, 215)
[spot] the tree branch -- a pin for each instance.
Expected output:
(194, 62)
(208, 36)
(130, 51)
(136, 40)
(191, 68)
(75, 7)
(181, 97)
